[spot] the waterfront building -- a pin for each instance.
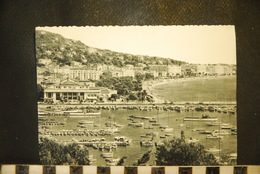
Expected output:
(173, 70)
(219, 69)
(84, 74)
(188, 69)
(70, 91)
(123, 72)
(201, 69)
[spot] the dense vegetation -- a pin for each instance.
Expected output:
(179, 152)
(62, 50)
(144, 159)
(123, 85)
(53, 153)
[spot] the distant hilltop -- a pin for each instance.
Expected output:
(55, 48)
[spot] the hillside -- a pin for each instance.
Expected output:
(63, 51)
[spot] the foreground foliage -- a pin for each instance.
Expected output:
(179, 152)
(53, 153)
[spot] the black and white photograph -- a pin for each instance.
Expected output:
(137, 95)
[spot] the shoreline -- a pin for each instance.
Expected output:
(150, 85)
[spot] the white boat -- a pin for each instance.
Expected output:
(214, 137)
(205, 132)
(226, 127)
(72, 111)
(116, 160)
(220, 132)
(107, 155)
(86, 122)
(136, 124)
(202, 118)
(169, 129)
(212, 150)
(217, 124)
(148, 127)
(164, 127)
(168, 134)
(80, 114)
(111, 164)
(156, 124)
(146, 143)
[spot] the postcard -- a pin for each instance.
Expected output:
(137, 95)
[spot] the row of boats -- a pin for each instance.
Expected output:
(95, 109)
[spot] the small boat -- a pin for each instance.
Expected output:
(214, 137)
(139, 124)
(233, 156)
(80, 114)
(118, 125)
(146, 143)
(167, 129)
(168, 135)
(164, 127)
(205, 132)
(107, 155)
(111, 164)
(146, 136)
(156, 124)
(152, 121)
(148, 127)
(162, 136)
(226, 127)
(192, 140)
(146, 118)
(86, 122)
(212, 150)
(202, 118)
(116, 160)
(220, 132)
(198, 129)
(217, 124)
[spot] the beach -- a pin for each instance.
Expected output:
(157, 88)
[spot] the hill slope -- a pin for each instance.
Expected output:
(64, 51)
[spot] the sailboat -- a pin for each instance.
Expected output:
(157, 124)
(191, 139)
(167, 129)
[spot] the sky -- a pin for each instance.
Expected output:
(192, 44)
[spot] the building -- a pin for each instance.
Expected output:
(71, 91)
(201, 69)
(173, 70)
(84, 74)
(188, 69)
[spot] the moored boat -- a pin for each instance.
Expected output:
(214, 137)
(212, 150)
(202, 118)
(169, 129)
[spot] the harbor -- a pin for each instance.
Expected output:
(131, 130)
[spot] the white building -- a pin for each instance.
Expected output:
(84, 74)
(173, 70)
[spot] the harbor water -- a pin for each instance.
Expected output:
(133, 152)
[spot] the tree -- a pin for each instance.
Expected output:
(179, 152)
(132, 97)
(114, 96)
(121, 161)
(53, 153)
(40, 91)
(144, 159)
